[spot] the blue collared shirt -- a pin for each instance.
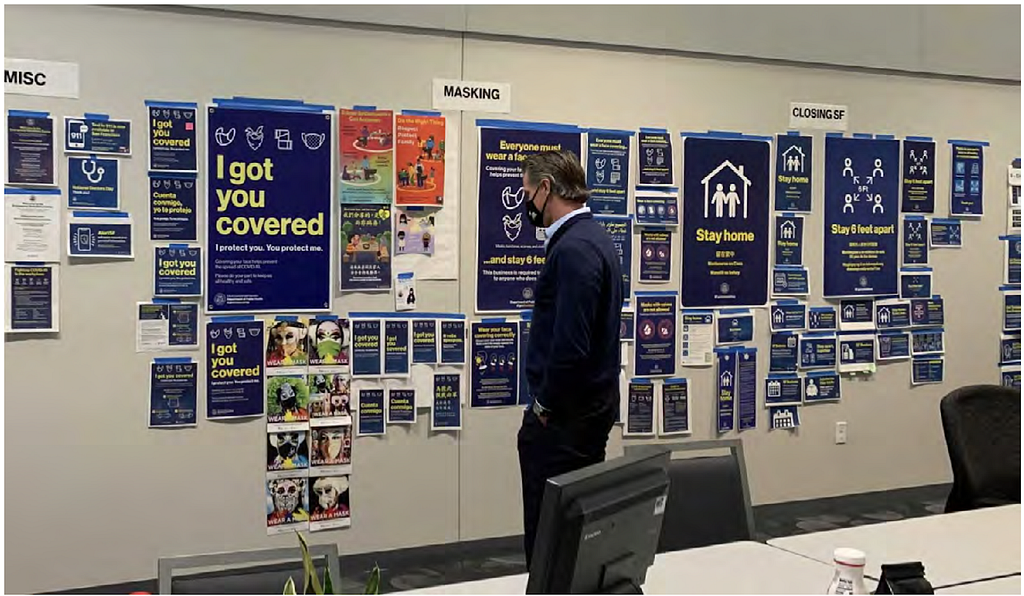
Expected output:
(549, 232)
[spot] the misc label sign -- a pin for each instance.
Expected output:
(39, 77)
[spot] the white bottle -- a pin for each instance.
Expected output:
(849, 575)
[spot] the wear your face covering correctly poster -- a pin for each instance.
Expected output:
(269, 207)
(725, 221)
(495, 376)
(510, 250)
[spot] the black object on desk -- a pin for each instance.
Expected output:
(904, 578)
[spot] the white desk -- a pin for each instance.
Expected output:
(954, 547)
(1003, 585)
(735, 568)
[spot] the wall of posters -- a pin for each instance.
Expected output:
(861, 215)
(608, 170)
(495, 372)
(918, 182)
(234, 367)
(31, 156)
(725, 221)
(269, 207)
(793, 172)
(419, 158)
(655, 334)
(366, 149)
(365, 242)
(173, 134)
(967, 180)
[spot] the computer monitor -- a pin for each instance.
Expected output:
(599, 526)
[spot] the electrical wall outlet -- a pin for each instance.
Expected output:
(840, 433)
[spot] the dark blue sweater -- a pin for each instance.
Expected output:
(572, 360)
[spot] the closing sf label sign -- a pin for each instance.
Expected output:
(818, 115)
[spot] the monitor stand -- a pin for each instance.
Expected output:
(622, 587)
(617, 577)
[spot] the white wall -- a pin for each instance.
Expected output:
(103, 496)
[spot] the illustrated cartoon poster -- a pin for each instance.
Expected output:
(365, 242)
(414, 234)
(419, 159)
(366, 146)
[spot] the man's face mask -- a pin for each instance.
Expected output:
(534, 215)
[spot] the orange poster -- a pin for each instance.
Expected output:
(419, 160)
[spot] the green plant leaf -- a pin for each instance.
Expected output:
(289, 586)
(307, 564)
(328, 584)
(373, 583)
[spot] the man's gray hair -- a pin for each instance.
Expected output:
(563, 170)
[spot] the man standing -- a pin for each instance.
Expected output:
(572, 360)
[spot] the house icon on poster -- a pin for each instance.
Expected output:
(724, 196)
(787, 230)
(779, 316)
(794, 159)
(726, 379)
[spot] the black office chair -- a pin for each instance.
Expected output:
(982, 428)
(708, 498)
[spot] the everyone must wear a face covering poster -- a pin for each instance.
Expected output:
(915, 240)
(419, 158)
(698, 338)
(789, 240)
(861, 216)
(918, 188)
(396, 347)
(94, 183)
(330, 396)
(856, 352)
(370, 415)
(100, 235)
(608, 170)
(366, 147)
(268, 207)
(746, 387)
(822, 386)
(725, 403)
(655, 156)
(328, 341)
(793, 173)
(726, 185)
(365, 242)
(968, 174)
(287, 450)
(330, 503)
(639, 409)
(33, 304)
(31, 156)
(655, 334)
(234, 367)
(287, 501)
(783, 389)
(495, 372)
(173, 387)
(286, 342)
(32, 221)
(366, 347)
(287, 401)
(414, 233)
(446, 411)
(674, 418)
(655, 255)
(330, 448)
(510, 250)
(620, 229)
(784, 417)
(172, 207)
(788, 315)
(173, 139)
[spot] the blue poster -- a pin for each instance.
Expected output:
(857, 314)
(100, 234)
(657, 206)
(818, 350)
(789, 240)
(892, 314)
(31, 158)
(172, 207)
(524, 341)
(268, 208)
(424, 341)
(639, 408)
(93, 183)
(366, 347)
(396, 347)
(177, 323)
(401, 406)
(173, 145)
(928, 369)
(725, 402)
(793, 167)
(173, 387)
(177, 271)
(790, 281)
(788, 315)
(821, 318)
(370, 419)
(784, 417)
(655, 334)
(783, 352)
(627, 323)
(1009, 349)
(861, 214)
(234, 367)
(33, 298)
(927, 311)
(725, 221)
(822, 386)
(1012, 259)
(915, 240)
(1011, 308)
(918, 175)
(366, 247)
(698, 344)
(856, 352)
(655, 255)
(945, 233)
(968, 173)
(97, 133)
(1010, 376)
(783, 389)
(735, 325)
(621, 231)
(608, 170)
(446, 413)
(495, 373)
(893, 345)
(675, 407)
(915, 282)
(655, 155)
(927, 341)
(510, 251)
(453, 341)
